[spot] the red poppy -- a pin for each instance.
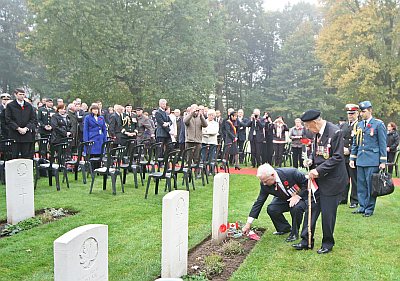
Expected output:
(305, 141)
(369, 125)
(222, 228)
(22, 107)
(286, 183)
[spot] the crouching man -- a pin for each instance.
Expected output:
(289, 186)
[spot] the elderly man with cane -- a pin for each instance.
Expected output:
(327, 170)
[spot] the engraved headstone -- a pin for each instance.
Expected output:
(19, 190)
(175, 219)
(220, 207)
(82, 254)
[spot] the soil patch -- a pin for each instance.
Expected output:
(206, 248)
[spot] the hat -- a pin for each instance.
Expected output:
(341, 118)
(139, 108)
(365, 104)
(351, 108)
(310, 115)
(49, 99)
(5, 95)
(128, 104)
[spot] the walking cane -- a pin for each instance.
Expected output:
(309, 213)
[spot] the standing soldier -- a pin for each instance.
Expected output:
(369, 149)
(327, 168)
(349, 130)
(44, 116)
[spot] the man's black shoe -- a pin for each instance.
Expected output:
(324, 250)
(357, 212)
(291, 238)
(353, 205)
(280, 232)
(343, 202)
(300, 246)
(366, 215)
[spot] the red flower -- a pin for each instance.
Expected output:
(222, 228)
(286, 183)
(22, 107)
(305, 141)
(369, 125)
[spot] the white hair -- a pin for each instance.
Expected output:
(265, 170)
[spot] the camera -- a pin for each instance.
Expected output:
(256, 116)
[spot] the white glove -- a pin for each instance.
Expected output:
(307, 163)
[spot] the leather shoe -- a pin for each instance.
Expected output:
(280, 232)
(291, 238)
(324, 251)
(300, 246)
(357, 212)
(366, 215)
(352, 206)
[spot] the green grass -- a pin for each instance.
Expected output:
(366, 248)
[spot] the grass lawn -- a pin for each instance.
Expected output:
(366, 248)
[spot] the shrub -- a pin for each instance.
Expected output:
(213, 265)
(196, 277)
(11, 229)
(232, 248)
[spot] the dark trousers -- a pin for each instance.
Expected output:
(23, 150)
(256, 153)
(278, 153)
(195, 156)
(241, 154)
(297, 157)
(390, 159)
(327, 207)
(352, 174)
(268, 152)
(165, 141)
(279, 206)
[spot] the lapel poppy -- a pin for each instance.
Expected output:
(285, 183)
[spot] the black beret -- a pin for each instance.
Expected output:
(49, 100)
(310, 115)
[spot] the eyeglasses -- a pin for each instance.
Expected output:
(351, 113)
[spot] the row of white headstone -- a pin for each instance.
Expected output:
(82, 253)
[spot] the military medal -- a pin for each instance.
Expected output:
(326, 155)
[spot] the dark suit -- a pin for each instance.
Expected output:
(241, 135)
(331, 183)
(115, 128)
(256, 138)
(60, 128)
(17, 116)
(279, 204)
(348, 131)
(162, 133)
(268, 146)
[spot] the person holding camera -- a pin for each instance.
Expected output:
(256, 137)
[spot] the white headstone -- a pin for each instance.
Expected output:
(220, 207)
(19, 190)
(175, 219)
(82, 254)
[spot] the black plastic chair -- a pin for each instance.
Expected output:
(395, 163)
(246, 154)
(7, 148)
(82, 162)
(224, 160)
(151, 158)
(56, 164)
(185, 169)
(287, 155)
(111, 169)
(131, 162)
(98, 161)
(167, 174)
(201, 167)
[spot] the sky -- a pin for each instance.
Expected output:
(274, 5)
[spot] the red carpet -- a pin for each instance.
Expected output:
(253, 172)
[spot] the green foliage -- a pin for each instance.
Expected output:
(213, 265)
(232, 248)
(358, 48)
(11, 229)
(196, 277)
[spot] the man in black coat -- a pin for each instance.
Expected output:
(256, 137)
(21, 121)
(115, 126)
(328, 169)
(241, 133)
(163, 123)
(289, 186)
(349, 130)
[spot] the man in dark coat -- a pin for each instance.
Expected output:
(73, 119)
(115, 126)
(162, 123)
(21, 121)
(349, 130)
(328, 167)
(289, 186)
(241, 134)
(256, 137)
(43, 117)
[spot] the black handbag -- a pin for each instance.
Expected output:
(382, 184)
